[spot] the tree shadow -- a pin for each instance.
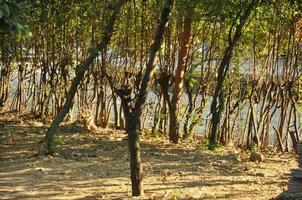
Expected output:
(89, 165)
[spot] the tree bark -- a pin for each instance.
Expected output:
(179, 79)
(133, 116)
(80, 71)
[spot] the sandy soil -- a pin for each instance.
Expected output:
(96, 166)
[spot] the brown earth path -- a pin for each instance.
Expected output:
(96, 166)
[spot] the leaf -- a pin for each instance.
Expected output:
(103, 24)
(1, 14)
(18, 37)
(5, 10)
(94, 51)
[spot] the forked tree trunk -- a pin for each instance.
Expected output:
(80, 71)
(133, 116)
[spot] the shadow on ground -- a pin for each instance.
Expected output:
(96, 166)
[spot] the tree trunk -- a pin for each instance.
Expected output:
(133, 116)
(217, 105)
(179, 79)
(80, 71)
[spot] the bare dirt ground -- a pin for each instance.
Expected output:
(96, 166)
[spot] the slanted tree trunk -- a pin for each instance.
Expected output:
(217, 105)
(179, 79)
(80, 71)
(133, 116)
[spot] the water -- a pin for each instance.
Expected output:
(152, 100)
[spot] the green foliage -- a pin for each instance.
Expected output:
(218, 151)
(251, 148)
(191, 79)
(215, 147)
(11, 21)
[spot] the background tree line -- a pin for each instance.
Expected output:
(223, 69)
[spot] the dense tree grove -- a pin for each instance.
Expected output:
(228, 70)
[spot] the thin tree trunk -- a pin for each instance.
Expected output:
(179, 78)
(217, 105)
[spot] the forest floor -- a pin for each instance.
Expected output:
(96, 166)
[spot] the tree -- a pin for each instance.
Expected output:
(80, 71)
(133, 116)
(179, 79)
(217, 105)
